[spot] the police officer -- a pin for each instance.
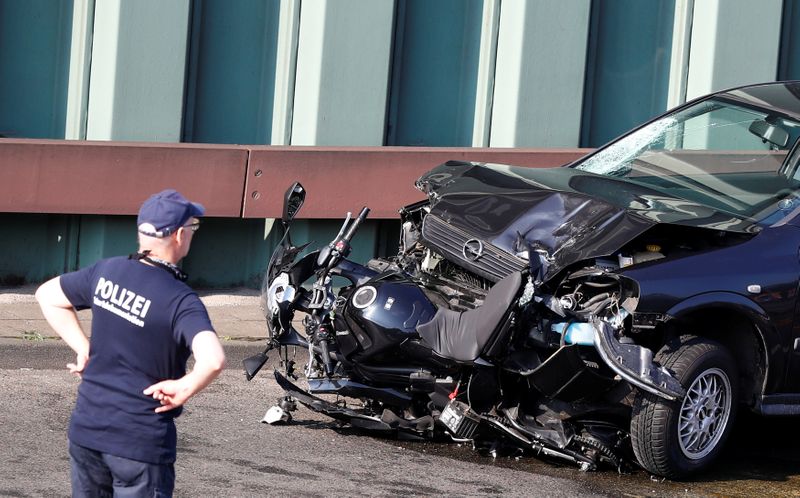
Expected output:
(146, 322)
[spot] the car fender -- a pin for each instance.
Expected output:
(766, 333)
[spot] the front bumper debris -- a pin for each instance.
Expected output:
(635, 364)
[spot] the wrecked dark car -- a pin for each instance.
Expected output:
(618, 309)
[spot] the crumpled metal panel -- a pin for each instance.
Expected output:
(569, 214)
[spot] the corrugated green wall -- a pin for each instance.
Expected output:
(33, 95)
(226, 252)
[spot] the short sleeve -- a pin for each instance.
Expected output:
(191, 319)
(77, 286)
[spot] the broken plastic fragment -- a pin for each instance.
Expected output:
(275, 415)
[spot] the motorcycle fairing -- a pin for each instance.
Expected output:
(462, 336)
(334, 411)
(287, 337)
(348, 387)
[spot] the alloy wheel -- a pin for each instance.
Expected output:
(704, 413)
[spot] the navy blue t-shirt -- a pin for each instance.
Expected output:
(143, 324)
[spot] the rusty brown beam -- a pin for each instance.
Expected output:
(80, 177)
(344, 179)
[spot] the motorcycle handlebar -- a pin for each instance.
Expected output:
(340, 247)
(352, 230)
(344, 226)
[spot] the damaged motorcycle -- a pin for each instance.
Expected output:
(418, 349)
(586, 313)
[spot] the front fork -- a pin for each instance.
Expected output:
(319, 335)
(317, 330)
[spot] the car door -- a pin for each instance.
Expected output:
(792, 347)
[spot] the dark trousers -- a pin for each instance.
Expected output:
(99, 475)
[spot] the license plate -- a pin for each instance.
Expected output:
(451, 417)
(459, 419)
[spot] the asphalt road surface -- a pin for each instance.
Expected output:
(224, 450)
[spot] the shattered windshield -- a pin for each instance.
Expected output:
(718, 153)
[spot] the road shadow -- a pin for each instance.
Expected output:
(760, 448)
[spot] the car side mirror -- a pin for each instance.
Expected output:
(292, 201)
(769, 133)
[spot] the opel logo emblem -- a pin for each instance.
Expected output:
(472, 250)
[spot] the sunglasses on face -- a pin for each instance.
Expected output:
(195, 226)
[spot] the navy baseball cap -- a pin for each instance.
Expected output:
(165, 212)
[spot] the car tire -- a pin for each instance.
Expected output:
(674, 439)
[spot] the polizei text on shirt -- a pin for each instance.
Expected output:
(120, 301)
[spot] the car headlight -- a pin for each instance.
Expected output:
(280, 291)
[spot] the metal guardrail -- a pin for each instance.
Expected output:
(85, 177)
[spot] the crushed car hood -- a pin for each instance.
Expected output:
(568, 214)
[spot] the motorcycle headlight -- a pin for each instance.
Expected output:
(280, 290)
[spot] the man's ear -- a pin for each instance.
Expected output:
(180, 235)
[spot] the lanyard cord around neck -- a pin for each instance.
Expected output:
(170, 268)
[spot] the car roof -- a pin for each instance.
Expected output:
(783, 96)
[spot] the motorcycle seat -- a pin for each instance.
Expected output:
(462, 335)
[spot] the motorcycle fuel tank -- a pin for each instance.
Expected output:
(385, 312)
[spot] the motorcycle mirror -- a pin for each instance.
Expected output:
(292, 200)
